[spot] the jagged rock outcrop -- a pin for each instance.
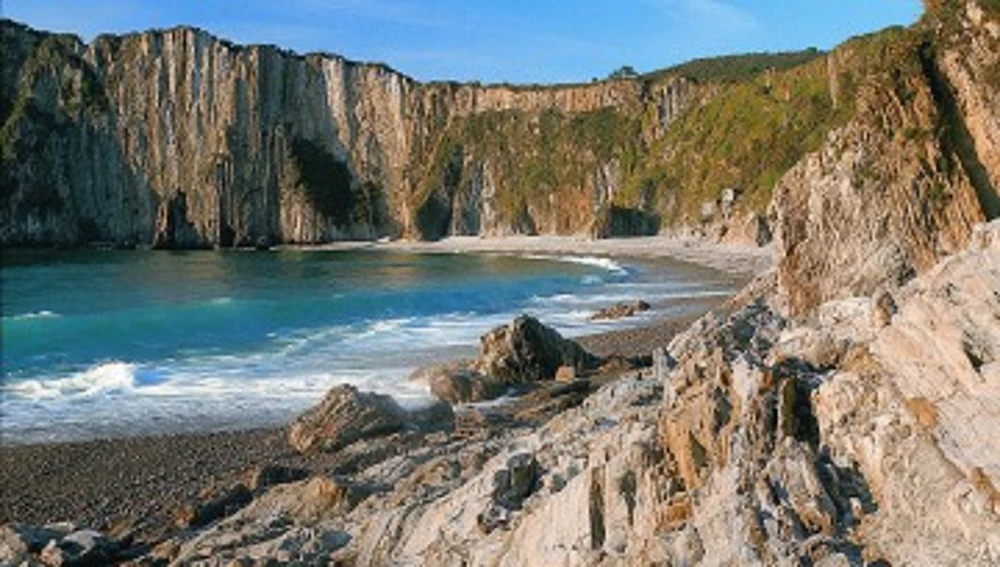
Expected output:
(902, 183)
(107, 141)
(621, 310)
(841, 440)
(843, 409)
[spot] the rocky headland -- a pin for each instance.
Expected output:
(842, 409)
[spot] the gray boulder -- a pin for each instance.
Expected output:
(83, 547)
(18, 541)
(347, 415)
(511, 486)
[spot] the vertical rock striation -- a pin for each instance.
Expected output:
(178, 138)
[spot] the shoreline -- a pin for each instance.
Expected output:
(100, 482)
(730, 258)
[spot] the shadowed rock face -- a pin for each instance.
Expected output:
(865, 435)
(841, 410)
(180, 139)
(527, 351)
(840, 441)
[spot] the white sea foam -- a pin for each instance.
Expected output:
(595, 261)
(101, 379)
(268, 382)
(43, 314)
(606, 299)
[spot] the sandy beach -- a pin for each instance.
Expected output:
(99, 483)
(739, 259)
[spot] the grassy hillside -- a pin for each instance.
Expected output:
(736, 68)
(746, 137)
(758, 115)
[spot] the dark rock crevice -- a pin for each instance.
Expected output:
(955, 135)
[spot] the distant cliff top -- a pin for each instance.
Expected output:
(722, 68)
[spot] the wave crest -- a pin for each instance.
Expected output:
(107, 378)
(595, 261)
(43, 314)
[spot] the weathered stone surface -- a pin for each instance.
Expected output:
(833, 241)
(263, 477)
(178, 138)
(565, 374)
(214, 503)
(842, 410)
(744, 453)
(344, 416)
(347, 415)
(458, 382)
(18, 542)
(511, 485)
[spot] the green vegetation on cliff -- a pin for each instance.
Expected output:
(633, 155)
(532, 156)
(735, 68)
(758, 115)
(746, 137)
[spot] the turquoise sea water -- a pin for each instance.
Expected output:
(109, 343)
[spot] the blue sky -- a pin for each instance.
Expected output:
(522, 41)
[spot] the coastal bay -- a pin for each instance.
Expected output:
(100, 482)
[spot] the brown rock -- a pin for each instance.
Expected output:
(260, 478)
(522, 352)
(214, 504)
(527, 351)
(344, 416)
(457, 382)
(621, 311)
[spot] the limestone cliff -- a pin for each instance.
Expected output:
(178, 138)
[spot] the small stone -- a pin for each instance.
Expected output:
(556, 483)
(566, 374)
(492, 518)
